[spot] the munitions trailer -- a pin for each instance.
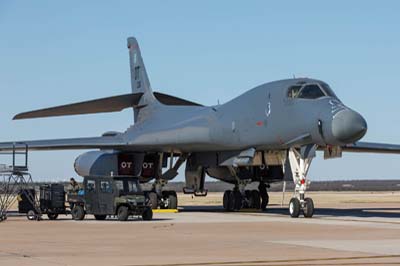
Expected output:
(51, 202)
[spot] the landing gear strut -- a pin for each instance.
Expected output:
(300, 162)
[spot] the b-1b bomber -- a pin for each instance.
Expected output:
(268, 134)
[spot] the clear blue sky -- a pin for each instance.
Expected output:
(54, 52)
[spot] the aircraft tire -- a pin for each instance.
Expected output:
(294, 207)
(264, 202)
(173, 192)
(231, 201)
(147, 214)
(238, 200)
(153, 199)
(123, 213)
(255, 196)
(226, 200)
(308, 210)
(172, 200)
(249, 199)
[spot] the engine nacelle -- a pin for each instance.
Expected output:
(150, 167)
(109, 163)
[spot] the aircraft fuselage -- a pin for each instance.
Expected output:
(264, 118)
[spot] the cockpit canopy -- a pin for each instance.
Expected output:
(310, 91)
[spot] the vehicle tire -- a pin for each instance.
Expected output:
(172, 201)
(226, 199)
(31, 215)
(123, 213)
(100, 217)
(147, 214)
(294, 207)
(264, 202)
(308, 209)
(52, 216)
(238, 200)
(78, 213)
(153, 200)
(255, 196)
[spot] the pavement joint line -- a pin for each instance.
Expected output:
(268, 262)
(261, 214)
(356, 220)
(25, 256)
(325, 264)
(308, 264)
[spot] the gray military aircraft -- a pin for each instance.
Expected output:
(268, 134)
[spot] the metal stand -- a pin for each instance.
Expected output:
(15, 181)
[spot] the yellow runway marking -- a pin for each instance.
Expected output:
(166, 211)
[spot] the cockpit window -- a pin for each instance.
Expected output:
(312, 91)
(327, 89)
(294, 91)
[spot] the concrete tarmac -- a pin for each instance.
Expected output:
(357, 233)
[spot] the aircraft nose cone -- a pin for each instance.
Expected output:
(348, 126)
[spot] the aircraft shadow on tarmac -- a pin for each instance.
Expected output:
(116, 220)
(331, 212)
(327, 212)
(68, 218)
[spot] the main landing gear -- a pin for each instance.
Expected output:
(236, 199)
(165, 199)
(300, 163)
(168, 200)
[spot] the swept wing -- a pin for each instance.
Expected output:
(371, 147)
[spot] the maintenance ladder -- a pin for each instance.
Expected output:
(16, 181)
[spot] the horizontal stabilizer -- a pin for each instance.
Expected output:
(172, 100)
(103, 105)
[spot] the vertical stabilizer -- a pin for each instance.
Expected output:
(139, 80)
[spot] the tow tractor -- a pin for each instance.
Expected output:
(110, 196)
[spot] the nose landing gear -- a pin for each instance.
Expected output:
(300, 163)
